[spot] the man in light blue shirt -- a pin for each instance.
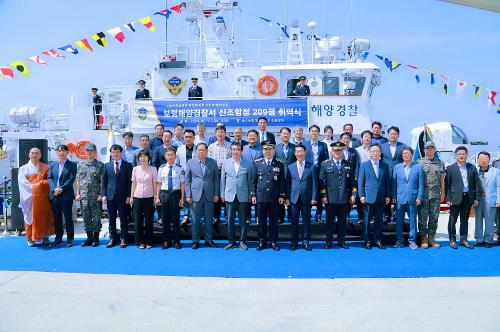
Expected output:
(128, 148)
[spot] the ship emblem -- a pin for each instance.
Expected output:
(174, 85)
(142, 113)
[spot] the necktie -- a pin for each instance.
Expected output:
(202, 169)
(285, 150)
(301, 170)
(170, 182)
(375, 168)
(338, 165)
(117, 169)
(261, 137)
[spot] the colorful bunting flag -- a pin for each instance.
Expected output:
(37, 59)
(491, 99)
(130, 26)
(178, 8)
(100, 39)
(117, 33)
(53, 53)
(21, 67)
(146, 21)
(84, 43)
(165, 12)
(498, 109)
(284, 29)
(69, 48)
(380, 57)
(432, 79)
(477, 91)
(460, 88)
(266, 20)
(391, 64)
(6, 71)
(365, 53)
(417, 77)
(445, 85)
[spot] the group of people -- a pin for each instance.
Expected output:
(187, 176)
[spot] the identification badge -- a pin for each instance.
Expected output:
(275, 177)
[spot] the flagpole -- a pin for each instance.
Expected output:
(166, 31)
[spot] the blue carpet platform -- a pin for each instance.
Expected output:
(356, 262)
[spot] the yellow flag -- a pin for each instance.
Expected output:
(21, 67)
(147, 23)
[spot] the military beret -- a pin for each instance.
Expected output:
(429, 144)
(141, 82)
(302, 78)
(194, 78)
(95, 89)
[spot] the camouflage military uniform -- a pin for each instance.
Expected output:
(90, 176)
(428, 212)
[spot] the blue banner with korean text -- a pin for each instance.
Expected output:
(234, 113)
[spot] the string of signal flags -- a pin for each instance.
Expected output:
(461, 86)
(19, 66)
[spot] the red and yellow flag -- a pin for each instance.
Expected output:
(146, 21)
(84, 43)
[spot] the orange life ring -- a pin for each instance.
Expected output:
(80, 149)
(71, 147)
(267, 85)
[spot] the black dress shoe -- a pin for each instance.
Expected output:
(368, 245)
(69, 243)
(243, 246)
(210, 244)
(466, 244)
(229, 246)
(398, 244)
(480, 244)
(307, 247)
(488, 245)
(293, 247)
(275, 246)
(177, 246)
(111, 244)
(165, 246)
(195, 245)
(379, 245)
(343, 245)
(261, 246)
(56, 243)
(328, 245)
(87, 242)
(453, 244)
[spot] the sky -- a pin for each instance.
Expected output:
(458, 41)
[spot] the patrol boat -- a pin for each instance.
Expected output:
(242, 80)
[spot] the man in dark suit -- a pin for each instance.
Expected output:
(268, 192)
(317, 152)
(116, 192)
(159, 151)
(62, 175)
(202, 191)
(374, 190)
(392, 155)
(142, 92)
(285, 152)
(302, 190)
(265, 135)
(238, 137)
(463, 188)
(350, 154)
(157, 140)
(338, 191)
(195, 92)
(355, 142)
(377, 138)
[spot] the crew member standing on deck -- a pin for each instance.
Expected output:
(302, 89)
(142, 92)
(268, 192)
(195, 92)
(97, 107)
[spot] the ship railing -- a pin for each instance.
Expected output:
(55, 118)
(244, 53)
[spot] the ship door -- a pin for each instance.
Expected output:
(290, 86)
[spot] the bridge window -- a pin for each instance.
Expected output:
(353, 86)
(331, 86)
(458, 136)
